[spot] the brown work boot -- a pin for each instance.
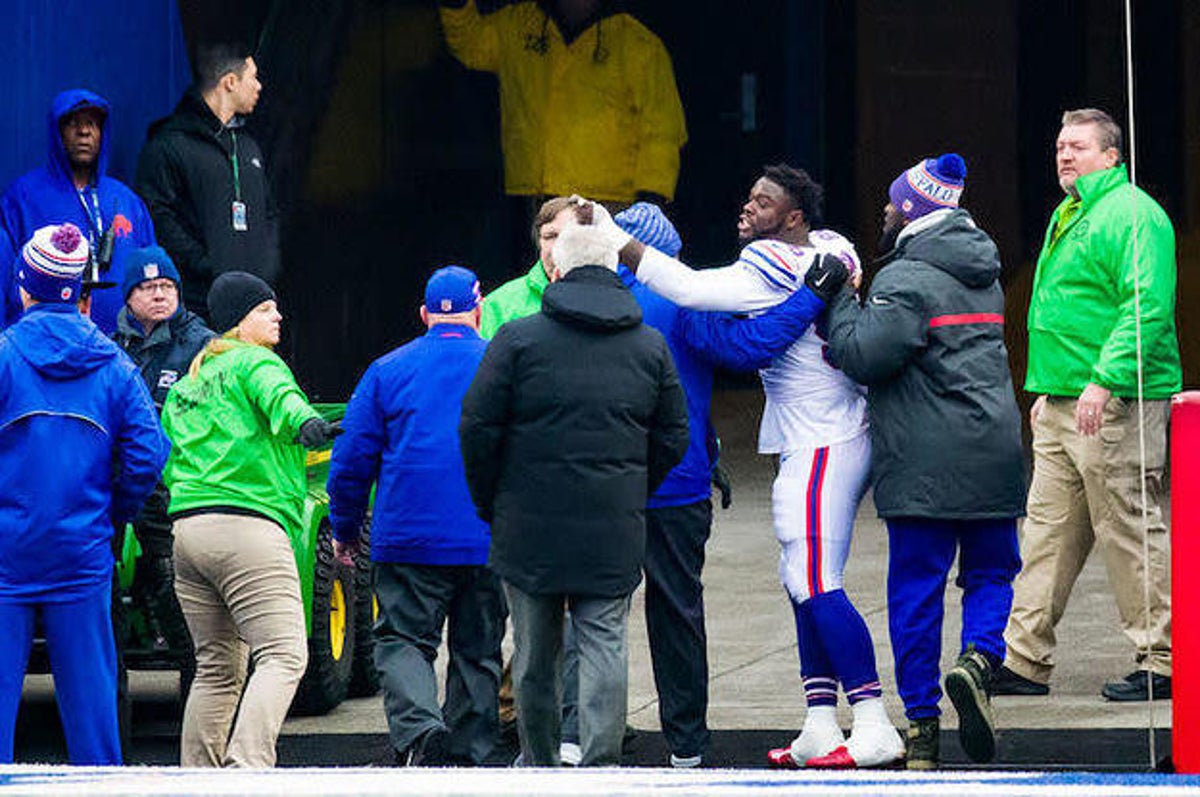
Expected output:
(922, 744)
(967, 685)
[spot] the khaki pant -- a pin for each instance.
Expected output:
(1086, 491)
(237, 584)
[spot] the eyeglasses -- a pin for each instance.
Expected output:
(166, 286)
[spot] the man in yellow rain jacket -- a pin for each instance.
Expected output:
(588, 103)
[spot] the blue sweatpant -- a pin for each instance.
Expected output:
(921, 551)
(83, 660)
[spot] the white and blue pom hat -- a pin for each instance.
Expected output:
(51, 264)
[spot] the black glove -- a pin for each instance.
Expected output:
(318, 432)
(826, 276)
(720, 480)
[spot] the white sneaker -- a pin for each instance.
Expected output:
(874, 745)
(686, 762)
(819, 736)
(570, 754)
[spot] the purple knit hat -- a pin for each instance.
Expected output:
(932, 184)
(50, 266)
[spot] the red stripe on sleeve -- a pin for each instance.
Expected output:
(966, 318)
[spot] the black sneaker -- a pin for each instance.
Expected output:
(922, 743)
(1007, 682)
(429, 750)
(967, 685)
(1135, 687)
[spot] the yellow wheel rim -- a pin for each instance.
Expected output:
(337, 620)
(374, 607)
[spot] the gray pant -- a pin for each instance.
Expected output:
(675, 540)
(415, 601)
(236, 580)
(600, 626)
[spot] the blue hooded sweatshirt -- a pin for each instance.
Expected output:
(47, 195)
(80, 450)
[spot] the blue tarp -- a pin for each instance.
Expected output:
(129, 51)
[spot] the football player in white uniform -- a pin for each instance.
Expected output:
(815, 421)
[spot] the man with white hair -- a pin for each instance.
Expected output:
(574, 418)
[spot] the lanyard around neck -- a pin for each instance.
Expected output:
(233, 158)
(95, 219)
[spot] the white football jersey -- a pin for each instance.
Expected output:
(809, 402)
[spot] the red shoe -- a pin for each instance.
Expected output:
(782, 758)
(838, 759)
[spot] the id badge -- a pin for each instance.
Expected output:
(239, 216)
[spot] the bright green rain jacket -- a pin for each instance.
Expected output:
(1082, 315)
(514, 299)
(233, 429)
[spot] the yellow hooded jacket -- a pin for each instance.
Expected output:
(600, 116)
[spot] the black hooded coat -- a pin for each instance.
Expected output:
(928, 342)
(574, 418)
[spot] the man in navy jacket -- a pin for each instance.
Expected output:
(74, 186)
(80, 449)
(162, 337)
(429, 547)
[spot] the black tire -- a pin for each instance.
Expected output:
(331, 644)
(364, 678)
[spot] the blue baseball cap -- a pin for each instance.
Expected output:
(452, 289)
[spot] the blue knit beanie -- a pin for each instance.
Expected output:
(932, 184)
(647, 223)
(148, 263)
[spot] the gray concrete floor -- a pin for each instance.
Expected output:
(751, 639)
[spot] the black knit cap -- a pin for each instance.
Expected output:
(232, 296)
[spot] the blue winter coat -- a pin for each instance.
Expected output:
(700, 342)
(47, 195)
(80, 450)
(401, 430)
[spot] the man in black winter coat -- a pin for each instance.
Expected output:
(162, 337)
(202, 176)
(947, 466)
(574, 418)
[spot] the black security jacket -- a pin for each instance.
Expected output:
(185, 177)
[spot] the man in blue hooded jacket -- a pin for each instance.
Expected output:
(80, 449)
(74, 186)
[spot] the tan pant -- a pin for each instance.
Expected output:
(1085, 491)
(237, 584)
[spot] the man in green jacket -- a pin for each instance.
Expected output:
(522, 296)
(1109, 249)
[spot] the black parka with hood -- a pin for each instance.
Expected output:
(575, 416)
(186, 177)
(928, 342)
